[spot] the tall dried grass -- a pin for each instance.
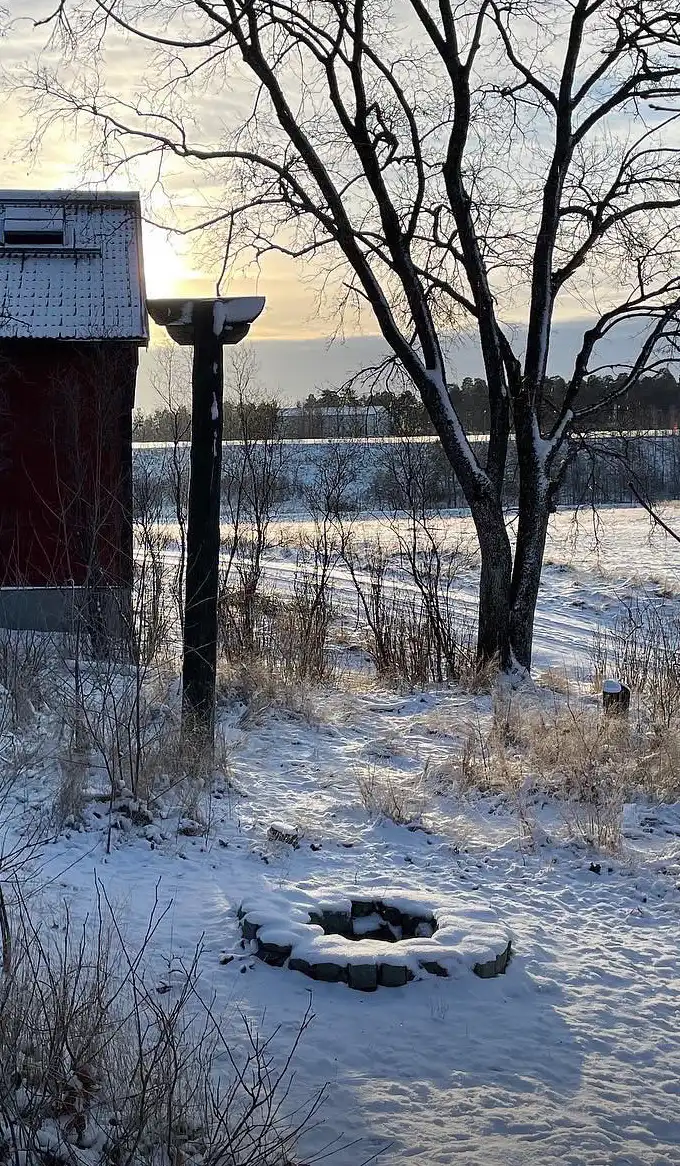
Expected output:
(565, 750)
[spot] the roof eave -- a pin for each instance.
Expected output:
(93, 196)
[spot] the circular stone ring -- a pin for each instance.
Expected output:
(376, 938)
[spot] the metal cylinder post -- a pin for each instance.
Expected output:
(615, 698)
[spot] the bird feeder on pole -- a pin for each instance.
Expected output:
(207, 324)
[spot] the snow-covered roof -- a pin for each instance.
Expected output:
(71, 266)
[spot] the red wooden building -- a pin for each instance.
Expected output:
(72, 320)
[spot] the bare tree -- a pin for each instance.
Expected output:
(438, 163)
(171, 381)
(253, 468)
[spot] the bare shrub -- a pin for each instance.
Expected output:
(643, 650)
(287, 635)
(71, 797)
(123, 745)
(411, 472)
(171, 382)
(416, 638)
(311, 612)
(154, 621)
(27, 664)
(384, 795)
(253, 473)
(93, 1061)
(332, 493)
(136, 745)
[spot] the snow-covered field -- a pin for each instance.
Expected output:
(593, 562)
(572, 1056)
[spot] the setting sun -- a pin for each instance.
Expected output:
(166, 269)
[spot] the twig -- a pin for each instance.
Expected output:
(653, 515)
(5, 937)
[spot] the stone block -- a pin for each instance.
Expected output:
(330, 973)
(433, 968)
(299, 965)
(249, 929)
(394, 975)
(274, 954)
(363, 907)
(385, 934)
(390, 914)
(411, 923)
(362, 977)
(494, 967)
(336, 923)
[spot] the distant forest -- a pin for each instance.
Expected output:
(653, 403)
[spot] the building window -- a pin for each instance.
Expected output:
(20, 238)
(36, 227)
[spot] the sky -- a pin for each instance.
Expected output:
(291, 341)
(291, 330)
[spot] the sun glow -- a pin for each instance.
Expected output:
(166, 267)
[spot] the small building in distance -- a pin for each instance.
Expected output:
(72, 320)
(316, 421)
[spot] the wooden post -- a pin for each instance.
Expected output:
(615, 698)
(203, 530)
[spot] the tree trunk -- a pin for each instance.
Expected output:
(535, 506)
(526, 582)
(494, 626)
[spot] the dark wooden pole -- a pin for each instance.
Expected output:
(203, 531)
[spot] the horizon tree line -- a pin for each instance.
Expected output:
(653, 403)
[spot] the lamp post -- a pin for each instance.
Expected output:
(207, 324)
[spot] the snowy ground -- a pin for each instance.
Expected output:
(593, 563)
(572, 1057)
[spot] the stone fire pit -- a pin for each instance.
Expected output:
(376, 938)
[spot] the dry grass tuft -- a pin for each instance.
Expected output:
(383, 795)
(265, 692)
(587, 764)
(556, 680)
